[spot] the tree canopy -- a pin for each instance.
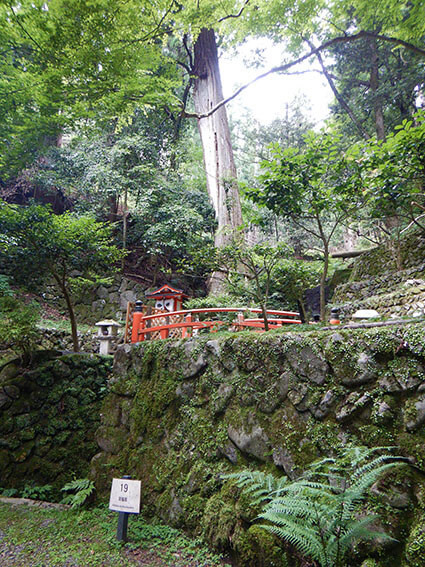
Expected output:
(72, 250)
(316, 186)
(117, 79)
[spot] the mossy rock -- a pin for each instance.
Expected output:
(258, 548)
(220, 518)
(415, 545)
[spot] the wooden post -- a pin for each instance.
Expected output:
(187, 331)
(122, 522)
(138, 324)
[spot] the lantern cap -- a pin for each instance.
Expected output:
(108, 323)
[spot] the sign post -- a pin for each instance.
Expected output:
(125, 499)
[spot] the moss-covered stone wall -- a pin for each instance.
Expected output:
(181, 414)
(99, 302)
(380, 261)
(376, 283)
(49, 412)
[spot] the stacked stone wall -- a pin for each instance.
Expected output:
(375, 283)
(49, 412)
(182, 414)
(100, 302)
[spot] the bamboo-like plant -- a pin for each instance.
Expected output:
(320, 514)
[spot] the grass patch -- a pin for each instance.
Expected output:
(40, 537)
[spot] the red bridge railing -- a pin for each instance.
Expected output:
(142, 326)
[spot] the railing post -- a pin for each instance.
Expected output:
(185, 331)
(165, 332)
(240, 320)
(137, 322)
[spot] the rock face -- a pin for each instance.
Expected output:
(101, 302)
(180, 414)
(48, 417)
(55, 339)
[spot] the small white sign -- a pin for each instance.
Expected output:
(125, 496)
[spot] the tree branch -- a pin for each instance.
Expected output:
(337, 94)
(235, 15)
(184, 66)
(323, 47)
(23, 29)
(188, 52)
(152, 33)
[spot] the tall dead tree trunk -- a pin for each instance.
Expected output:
(219, 162)
(374, 85)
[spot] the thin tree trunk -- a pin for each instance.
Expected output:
(374, 85)
(323, 281)
(113, 208)
(124, 226)
(215, 137)
(71, 312)
(392, 222)
(72, 320)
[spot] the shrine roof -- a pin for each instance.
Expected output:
(166, 291)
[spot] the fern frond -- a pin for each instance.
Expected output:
(369, 477)
(318, 513)
(80, 489)
(260, 486)
(301, 537)
(296, 509)
(358, 531)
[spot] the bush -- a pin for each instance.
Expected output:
(18, 324)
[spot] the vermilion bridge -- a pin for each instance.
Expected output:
(149, 323)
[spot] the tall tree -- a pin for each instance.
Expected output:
(219, 161)
(96, 60)
(378, 84)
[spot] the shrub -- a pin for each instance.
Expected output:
(18, 324)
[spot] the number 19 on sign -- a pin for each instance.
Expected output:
(125, 499)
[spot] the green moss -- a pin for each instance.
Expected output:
(415, 544)
(176, 428)
(192, 507)
(258, 548)
(218, 521)
(51, 435)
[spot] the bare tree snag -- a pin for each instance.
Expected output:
(374, 85)
(215, 137)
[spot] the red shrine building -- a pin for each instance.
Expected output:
(167, 298)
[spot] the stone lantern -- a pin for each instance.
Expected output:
(167, 298)
(106, 333)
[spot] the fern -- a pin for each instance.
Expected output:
(258, 485)
(320, 513)
(80, 490)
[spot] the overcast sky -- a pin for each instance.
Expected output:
(267, 98)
